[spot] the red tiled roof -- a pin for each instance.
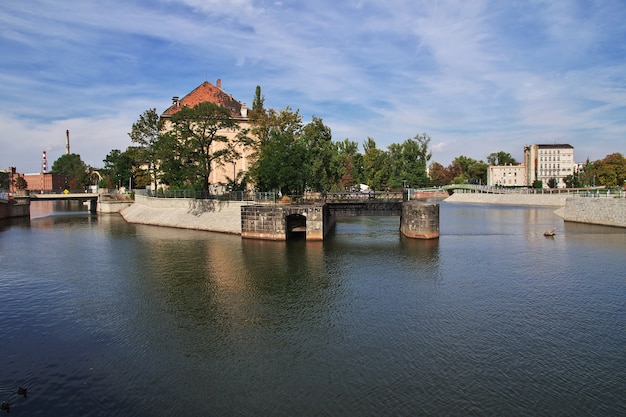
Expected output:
(203, 93)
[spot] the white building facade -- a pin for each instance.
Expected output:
(546, 162)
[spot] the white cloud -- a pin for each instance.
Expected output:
(479, 76)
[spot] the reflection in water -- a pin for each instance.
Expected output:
(491, 319)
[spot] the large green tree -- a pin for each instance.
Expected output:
(376, 165)
(409, 161)
(118, 168)
(610, 171)
(469, 170)
(323, 165)
(281, 158)
(196, 141)
(145, 133)
(75, 170)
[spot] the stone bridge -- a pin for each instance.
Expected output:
(418, 219)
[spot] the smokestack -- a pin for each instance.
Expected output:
(219, 83)
(44, 163)
(67, 142)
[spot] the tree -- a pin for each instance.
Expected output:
(197, 143)
(553, 183)
(118, 168)
(610, 171)
(75, 170)
(323, 166)
(351, 164)
(376, 165)
(409, 161)
(21, 184)
(280, 160)
(501, 158)
(468, 170)
(4, 180)
(145, 132)
(439, 175)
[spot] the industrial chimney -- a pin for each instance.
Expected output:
(44, 163)
(67, 142)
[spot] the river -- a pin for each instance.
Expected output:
(104, 318)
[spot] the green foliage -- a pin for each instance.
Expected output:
(281, 159)
(376, 165)
(145, 132)
(323, 163)
(118, 168)
(537, 184)
(21, 184)
(4, 180)
(74, 169)
(408, 163)
(501, 158)
(350, 165)
(471, 170)
(572, 181)
(195, 143)
(610, 171)
(553, 183)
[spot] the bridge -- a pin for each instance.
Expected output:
(315, 217)
(91, 198)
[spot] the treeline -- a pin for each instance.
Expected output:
(289, 156)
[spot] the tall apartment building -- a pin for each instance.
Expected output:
(544, 162)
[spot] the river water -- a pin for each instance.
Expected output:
(103, 318)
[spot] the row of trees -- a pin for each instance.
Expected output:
(288, 155)
(292, 157)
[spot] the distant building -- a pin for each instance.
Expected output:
(44, 182)
(507, 175)
(546, 162)
(541, 162)
(207, 92)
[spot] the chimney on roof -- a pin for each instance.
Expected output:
(175, 101)
(219, 83)
(244, 110)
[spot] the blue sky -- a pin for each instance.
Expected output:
(477, 76)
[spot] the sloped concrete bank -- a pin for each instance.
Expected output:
(186, 213)
(603, 211)
(556, 200)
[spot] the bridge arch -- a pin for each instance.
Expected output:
(295, 225)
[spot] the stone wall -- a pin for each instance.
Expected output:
(603, 211)
(273, 222)
(186, 213)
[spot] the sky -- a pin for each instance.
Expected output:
(476, 76)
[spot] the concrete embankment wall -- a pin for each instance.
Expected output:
(556, 200)
(603, 211)
(186, 213)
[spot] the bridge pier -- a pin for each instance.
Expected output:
(281, 222)
(420, 220)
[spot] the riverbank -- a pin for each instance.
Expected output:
(513, 199)
(186, 213)
(602, 211)
(591, 210)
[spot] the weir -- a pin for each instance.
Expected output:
(418, 219)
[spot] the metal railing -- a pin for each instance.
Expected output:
(574, 192)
